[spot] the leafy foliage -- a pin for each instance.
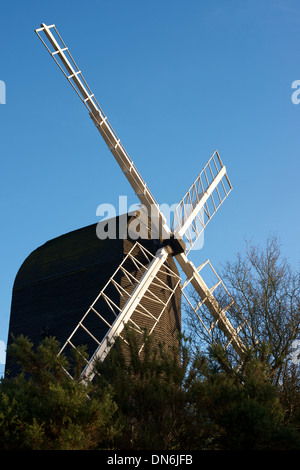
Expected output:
(167, 398)
(42, 408)
(160, 400)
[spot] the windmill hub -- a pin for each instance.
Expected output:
(175, 245)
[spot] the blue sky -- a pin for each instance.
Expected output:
(177, 80)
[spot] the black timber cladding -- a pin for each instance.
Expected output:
(59, 280)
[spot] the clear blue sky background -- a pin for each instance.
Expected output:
(177, 80)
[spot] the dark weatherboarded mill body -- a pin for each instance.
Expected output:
(59, 281)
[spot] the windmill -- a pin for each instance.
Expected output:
(191, 216)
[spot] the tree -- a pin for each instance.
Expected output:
(200, 402)
(236, 409)
(42, 408)
(148, 389)
(159, 400)
(266, 291)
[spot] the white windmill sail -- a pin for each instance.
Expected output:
(191, 216)
(143, 283)
(58, 50)
(201, 202)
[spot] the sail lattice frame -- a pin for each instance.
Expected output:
(107, 310)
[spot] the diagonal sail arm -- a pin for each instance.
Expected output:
(218, 314)
(55, 45)
(140, 283)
